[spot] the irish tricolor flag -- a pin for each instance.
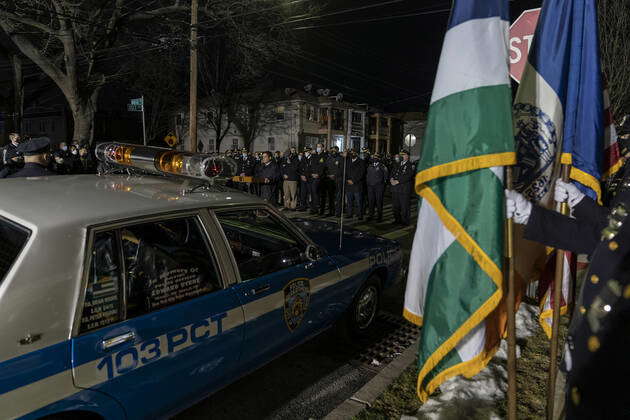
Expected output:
(454, 287)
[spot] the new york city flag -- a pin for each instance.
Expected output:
(561, 115)
(454, 286)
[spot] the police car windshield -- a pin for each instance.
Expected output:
(12, 239)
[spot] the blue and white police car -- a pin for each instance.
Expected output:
(135, 296)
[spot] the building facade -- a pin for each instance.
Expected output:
(292, 118)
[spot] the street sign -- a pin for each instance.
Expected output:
(137, 101)
(521, 36)
(134, 108)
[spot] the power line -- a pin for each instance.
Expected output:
(355, 9)
(379, 19)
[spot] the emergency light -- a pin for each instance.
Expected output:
(165, 161)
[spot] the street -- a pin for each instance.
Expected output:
(311, 380)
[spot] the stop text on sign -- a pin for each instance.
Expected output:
(521, 37)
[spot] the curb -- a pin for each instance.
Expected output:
(365, 396)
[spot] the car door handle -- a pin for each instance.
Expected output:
(119, 339)
(261, 289)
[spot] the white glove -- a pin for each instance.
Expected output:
(517, 207)
(567, 192)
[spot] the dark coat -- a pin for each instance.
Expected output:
(269, 171)
(334, 166)
(246, 166)
(355, 171)
(377, 175)
(289, 167)
(403, 173)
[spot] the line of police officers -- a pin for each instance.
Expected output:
(313, 180)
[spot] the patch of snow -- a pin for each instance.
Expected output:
(471, 398)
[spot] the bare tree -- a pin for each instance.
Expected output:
(79, 43)
(614, 30)
(158, 78)
(250, 115)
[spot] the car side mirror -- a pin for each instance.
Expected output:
(313, 253)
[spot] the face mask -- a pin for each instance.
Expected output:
(64, 148)
(244, 155)
(299, 157)
(319, 150)
(397, 159)
(74, 152)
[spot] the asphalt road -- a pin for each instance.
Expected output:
(312, 379)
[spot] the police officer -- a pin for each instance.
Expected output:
(36, 154)
(246, 167)
(289, 174)
(599, 335)
(268, 174)
(12, 160)
(355, 178)
(376, 178)
(314, 165)
(303, 173)
(401, 181)
(334, 179)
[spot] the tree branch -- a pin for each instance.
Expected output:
(29, 22)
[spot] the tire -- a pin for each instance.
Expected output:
(361, 314)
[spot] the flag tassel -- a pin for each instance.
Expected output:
(511, 307)
(555, 327)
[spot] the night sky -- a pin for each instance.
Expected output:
(387, 60)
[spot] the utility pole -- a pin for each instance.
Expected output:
(192, 128)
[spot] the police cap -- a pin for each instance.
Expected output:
(308, 149)
(35, 146)
(404, 152)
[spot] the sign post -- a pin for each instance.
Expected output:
(137, 105)
(521, 36)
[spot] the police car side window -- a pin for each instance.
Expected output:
(103, 295)
(166, 263)
(260, 243)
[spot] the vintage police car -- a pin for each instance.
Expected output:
(127, 296)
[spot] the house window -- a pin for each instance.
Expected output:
(279, 113)
(357, 118)
(312, 113)
(271, 144)
(234, 143)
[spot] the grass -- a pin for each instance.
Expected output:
(400, 397)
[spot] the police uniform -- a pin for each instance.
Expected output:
(334, 175)
(376, 178)
(246, 167)
(313, 167)
(599, 335)
(401, 192)
(355, 172)
(33, 147)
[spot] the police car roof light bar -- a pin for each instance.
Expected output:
(166, 161)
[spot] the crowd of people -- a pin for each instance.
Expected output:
(327, 182)
(36, 157)
(324, 182)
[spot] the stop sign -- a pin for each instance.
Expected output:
(521, 36)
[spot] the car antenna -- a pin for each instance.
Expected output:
(343, 200)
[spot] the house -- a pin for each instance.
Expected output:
(294, 118)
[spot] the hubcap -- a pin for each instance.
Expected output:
(366, 307)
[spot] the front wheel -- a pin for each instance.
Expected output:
(362, 312)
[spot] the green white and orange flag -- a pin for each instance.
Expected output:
(455, 282)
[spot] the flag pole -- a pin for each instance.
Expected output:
(511, 305)
(555, 326)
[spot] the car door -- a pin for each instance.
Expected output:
(158, 328)
(278, 288)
